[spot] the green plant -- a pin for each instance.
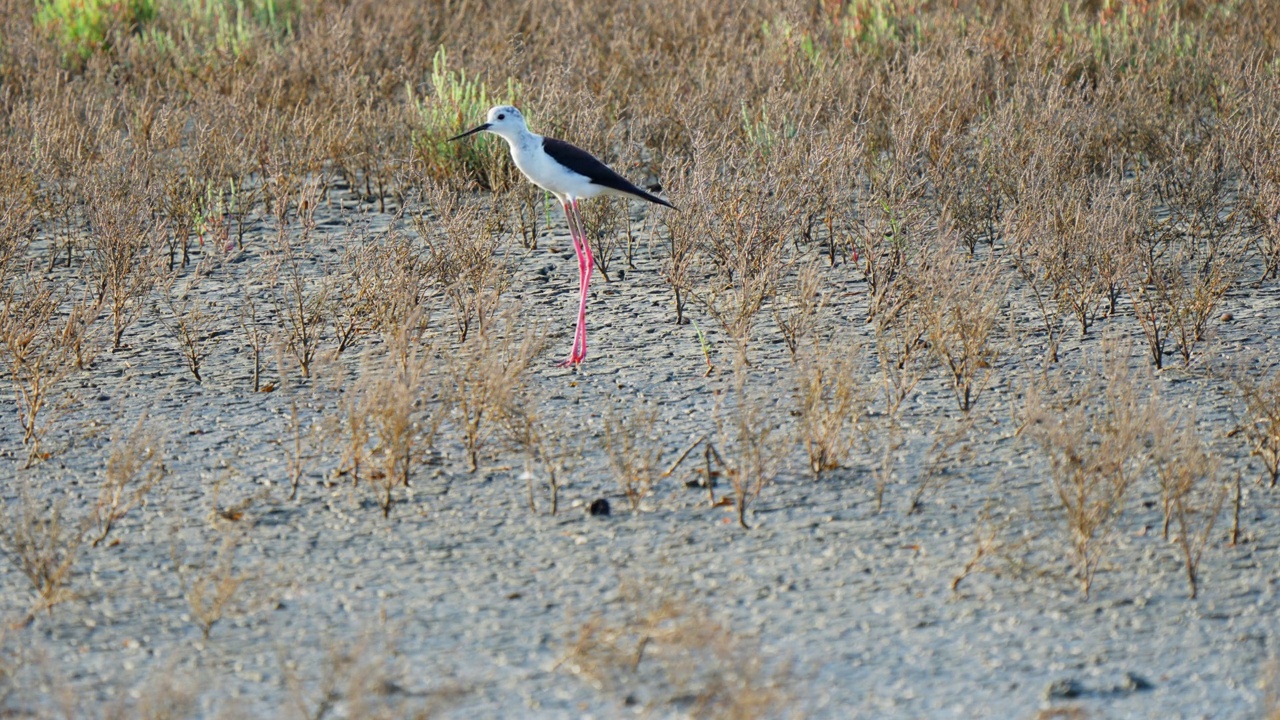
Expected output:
(454, 105)
(85, 26)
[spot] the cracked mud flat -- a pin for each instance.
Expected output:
(478, 598)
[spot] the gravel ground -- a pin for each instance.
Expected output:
(466, 603)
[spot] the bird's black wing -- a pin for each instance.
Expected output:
(586, 165)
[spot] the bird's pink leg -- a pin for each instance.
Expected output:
(574, 357)
(586, 280)
(584, 277)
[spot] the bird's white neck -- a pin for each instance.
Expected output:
(520, 138)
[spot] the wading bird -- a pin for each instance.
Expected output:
(571, 174)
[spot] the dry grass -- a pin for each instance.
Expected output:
(542, 441)
(633, 448)
(134, 466)
(1192, 491)
(299, 300)
(464, 242)
(484, 373)
(668, 654)
(970, 177)
(43, 542)
(831, 402)
(960, 307)
(42, 349)
(796, 313)
(210, 581)
(1261, 425)
(189, 320)
(750, 444)
(388, 423)
(1095, 445)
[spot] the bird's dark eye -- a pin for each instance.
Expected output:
(502, 116)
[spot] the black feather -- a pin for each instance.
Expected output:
(586, 165)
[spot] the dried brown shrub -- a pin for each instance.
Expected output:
(387, 422)
(798, 308)
(43, 543)
(1071, 241)
(43, 345)
(547, 451)
(483, 373)
(667, 652)
(465, 257)
(124, 258)
(134, 465)
(960, 305)
(1176, 296)
(1254, 140)
(1192, 493)
(602, 221)
(1261, 424)
(831, 401)
(187, 317)
(751, 445)
(1095, 446)
(298, 299)
(684, 232)
(745, 252)
(1186, 262)
(210, 581)
(633, 448)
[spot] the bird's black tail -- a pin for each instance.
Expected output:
(651, 197)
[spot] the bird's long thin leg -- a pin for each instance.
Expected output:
(586, 279)
(582, 267)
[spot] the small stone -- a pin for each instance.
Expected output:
(1064, 689)
(1132, 682)
(1227, 317)
(599, 508)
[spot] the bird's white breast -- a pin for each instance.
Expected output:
(546, 173)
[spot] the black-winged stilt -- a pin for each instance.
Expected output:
(571, 174)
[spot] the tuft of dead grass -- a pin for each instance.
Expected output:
(1261, 425)
(634, 450)
(750, 447)
(483, 373)
(134, 465)
(42, 541)
(668, 653)
(209, 582)
(1096, 447)
(831, 401)
(1192, 492)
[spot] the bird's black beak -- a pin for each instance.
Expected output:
(472, 131)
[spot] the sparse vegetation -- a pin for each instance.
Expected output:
(634, 450)
(42, 542)
(134, 465)
(209, 581)
(831, 401)
(907, 233)
(664, 650)
(1094, 443)
(1261, 424)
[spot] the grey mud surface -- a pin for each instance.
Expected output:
(473, 600)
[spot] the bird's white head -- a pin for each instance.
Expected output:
(503, 120)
